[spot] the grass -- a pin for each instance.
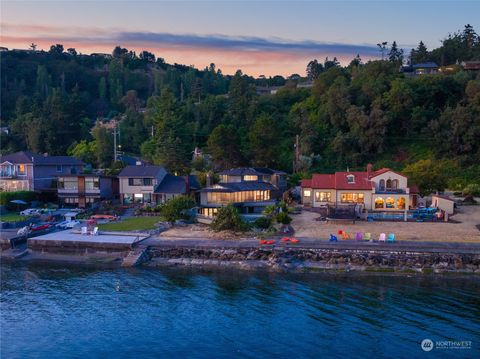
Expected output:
(12, 217)
(131, 224)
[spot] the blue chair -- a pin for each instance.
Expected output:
(333, 238)
(391, 237)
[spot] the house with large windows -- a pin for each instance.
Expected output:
(153, 184)
(84, 189)
(27, 171)
(381, 190)
(250, 189)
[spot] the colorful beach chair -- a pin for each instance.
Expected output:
(367, 237)
(345, 235)
(359, 236)
(333, 238)
(391, 237)
(382, 237)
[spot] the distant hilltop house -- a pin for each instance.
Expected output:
(84, 189)
(152, 184)
(27, 171)
(105, 56)
(250, 189)
(381, 190)
(425, 68)
(471, 65)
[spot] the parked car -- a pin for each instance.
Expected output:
(68, 224)
(30, 212)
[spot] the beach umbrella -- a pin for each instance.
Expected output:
(18, 201)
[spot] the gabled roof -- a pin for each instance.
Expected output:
(385, 170)
(143, 171)
(240, 186)
(30, 157)
(176, 184)
(361, 181)
(252, 171)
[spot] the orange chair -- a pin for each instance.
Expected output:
(294, 241)
(285, 239)
(345, 236)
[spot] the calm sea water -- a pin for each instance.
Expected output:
(55, 312)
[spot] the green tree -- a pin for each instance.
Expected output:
(177, 208)
(263, 134)
(228, 219)
(223, 145)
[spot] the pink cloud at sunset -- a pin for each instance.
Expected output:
(253, 55)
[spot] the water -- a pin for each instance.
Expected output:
(55, 312)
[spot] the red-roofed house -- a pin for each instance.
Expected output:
(379, 190)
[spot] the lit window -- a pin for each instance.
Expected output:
(21, 169)
(401, 203)
(307, 193)
(379, 202)
(250, 178)
(322, 196)
(390, 202)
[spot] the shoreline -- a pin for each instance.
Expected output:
(321, 256)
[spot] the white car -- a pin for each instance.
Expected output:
(68, 224)
(30, 212)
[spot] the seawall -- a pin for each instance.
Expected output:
(317, 259)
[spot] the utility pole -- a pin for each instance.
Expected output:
(115, 144)
(297, 154)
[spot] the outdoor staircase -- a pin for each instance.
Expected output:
(135, 256)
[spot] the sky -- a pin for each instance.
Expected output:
(267, 37)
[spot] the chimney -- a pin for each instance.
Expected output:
(208, 180)
(187, 184)
(369, 170)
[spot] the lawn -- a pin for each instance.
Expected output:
(12, 217)
(131, 224)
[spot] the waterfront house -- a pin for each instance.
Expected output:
(443, 203)
(27, 171)
(84, 189)
(250, 189)
(381, 190)
(152, 184)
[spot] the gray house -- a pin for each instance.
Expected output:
(152, 184)
(84, 189)
(250, 189)
(27, 171)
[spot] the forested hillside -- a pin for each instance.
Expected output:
(429, 126)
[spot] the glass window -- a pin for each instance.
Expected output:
(21, 169)
(379, 202)
(322, 196)
(401, 203)
(390, 202)
(147, 181)
(350, 179)
(381, 186)
(250, 178)
(307, 193)
(352, 198)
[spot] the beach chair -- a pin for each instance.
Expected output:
(391, 237)
(359, 236)
(95, 231)
(345, 236)
(84, 231)
(381, 238)
(367, 237)
(333, 238)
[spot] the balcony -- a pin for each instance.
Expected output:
(390, 191)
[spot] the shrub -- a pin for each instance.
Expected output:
(228, 219)
(263, 222)
(473, 189)
(6, 197)
(283, 218)
(176, 208)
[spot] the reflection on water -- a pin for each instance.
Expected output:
(55, 312)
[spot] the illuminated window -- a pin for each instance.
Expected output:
(390, 202)
(379, 202)
(21, 169)
(352, 198)
(322, 196)
(401, 203)
(307, 193)
(250, 178)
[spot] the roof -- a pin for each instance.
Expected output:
(171, 184)
(30, 157)
(245, 171)
(241, 186)
(442, 196)
(425, 65)
(130, 160)
(143, 171)
(385, 170)
(339, 181)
